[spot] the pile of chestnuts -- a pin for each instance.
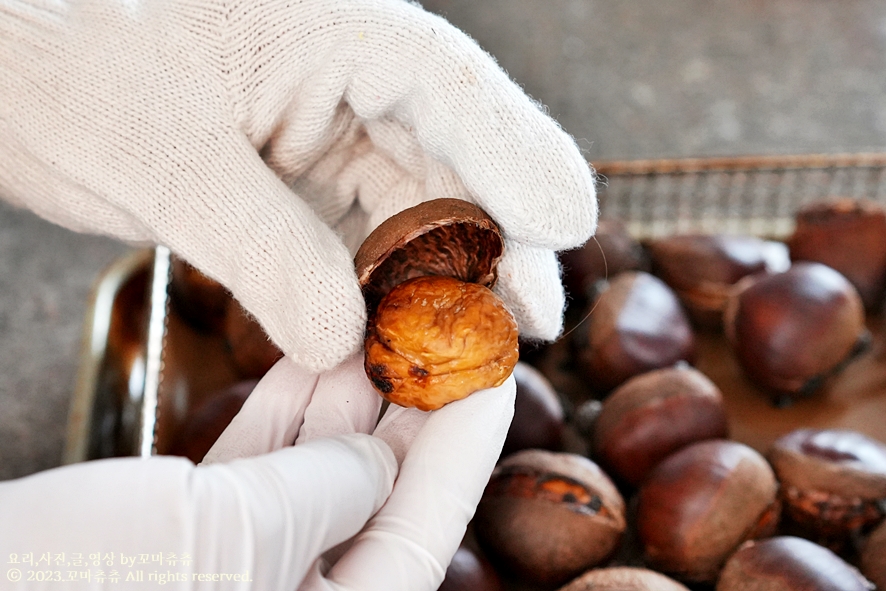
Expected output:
(623, 467)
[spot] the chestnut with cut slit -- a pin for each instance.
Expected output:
(436, 332)
(546, 517)
(833, 483)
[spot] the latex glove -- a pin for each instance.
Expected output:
(253, 136)
(270, 518)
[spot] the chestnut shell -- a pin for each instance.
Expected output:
(791, 330)
(449, 237)
(788, 563)
(653, 415)
(546, 517)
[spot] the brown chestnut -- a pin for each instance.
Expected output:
(636, 325)
(698, 504)
(703, 268)
(205, 423)
(435, 332)
(872, 557)
(539, 417)
(546, 517)
(833, 483)
(623, 578)
(848, 235)
(470, 571)
(252, 351)
(787, 563)
(611, 251)
(790, 331)
(200, 301)
(654, 414)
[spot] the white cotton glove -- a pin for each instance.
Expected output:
(261, 140)
(283, 520)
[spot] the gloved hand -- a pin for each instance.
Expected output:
(268, 519)
(253, 137)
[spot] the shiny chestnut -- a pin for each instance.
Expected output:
(788, 563)
(700, 503)
(636, 325)
(539, 417)
(546, 517)
(653, 415)
(703, 268)
(790, 331)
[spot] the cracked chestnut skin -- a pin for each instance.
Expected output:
(436, 332)
(436, 339)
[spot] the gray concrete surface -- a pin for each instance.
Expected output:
(628, 78)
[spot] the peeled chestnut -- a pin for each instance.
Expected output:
(790, 331)
(623, 578)
(252, 351)
(698, 504)
(470, 571)
(636, 325)
(703, 268)
(611, 251)
(546, 517)
(436, 332)
(848, 235)
(654, 414)
(833, 483)
(787, 563)
(539, 417)
(872, 557)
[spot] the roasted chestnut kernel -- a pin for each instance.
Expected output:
(703, 268)
(872, 558)
(833, 483)
(470, 571)
(790, 331)
(654, 414)
(539, 416)
(636, 325)
(434, 340)
(436, 332)
(848, 235)
(546, 517)
(698, 504)
(623, 578)
(252, 351)
(787, 563)
(611, 251)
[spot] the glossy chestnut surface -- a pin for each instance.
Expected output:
(539, 417)
(788, 563)
(653, 415)
(700, 503)
(636, 325)
(703, 268)
(790, 331)
(470, 571)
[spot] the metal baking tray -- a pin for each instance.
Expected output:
(142, 368)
